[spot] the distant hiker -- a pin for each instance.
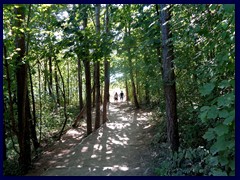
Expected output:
(121, 95)
(116, 97)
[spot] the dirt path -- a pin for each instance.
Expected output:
(121, 147)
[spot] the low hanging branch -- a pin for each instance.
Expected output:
(81, 114)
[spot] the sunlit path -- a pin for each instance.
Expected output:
(120, 147)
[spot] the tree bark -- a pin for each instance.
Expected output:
(128, 33)
(169, 78)
(86, 63)
(106, 72)
(33, 120)
(56, 83)
(126, 86)
(14, 128)
(45, 78)
(80, 84)
(68, 83)
(32, 126)
(4, 136)
(64, 102)
(40, 102)
(81, 114)
(21, 74)
(97, 75)
(50, 84)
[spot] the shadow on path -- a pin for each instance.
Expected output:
(121, 147)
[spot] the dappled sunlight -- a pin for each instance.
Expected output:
(114, 141)
(98, 147)
(148, 126)
(63, 152)
(112, 149)
(58, 167)
(84, 149)
(116, 168)
(74, 133)
(117, 125)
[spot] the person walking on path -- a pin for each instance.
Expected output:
(116, 97)
(121, 95)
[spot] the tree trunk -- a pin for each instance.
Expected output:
(68, 83)
(97, 75)
(14, 128)
(132, 82)
(169, 79)
(32, 126)
(40, 102)
(4, 136)
(94, 90)
(147, 97)
(86, 63)
(127, 94)
(106, 73)
(80, 84)
(81, 114)
(158, 48)
(21, 73)
(64, 102)
(33, 120)
(56, 83)
(50, 76)
(127, 32)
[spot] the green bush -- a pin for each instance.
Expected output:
(11, 168)
(191, 162)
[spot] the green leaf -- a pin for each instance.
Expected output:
(209, 135)
(21, 29)
(203, 116)
(212, 113)
(213, 161)
(229, 7)
(224, 24)
(204, 108)
(226, 100)
(223, 113)
(224, 84)
(218, 172)
(219, 145)
(223, 160)
(206, 89)
(231, 144)
(228, 120)
(232, 164)
(221, 129)
(188, 155)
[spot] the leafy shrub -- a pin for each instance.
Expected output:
(11, 168)
(191, 162)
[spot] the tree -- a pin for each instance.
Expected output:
(97, 71)
(86, 63)
(106, 70)
(80, 84)
(129, 38)
(169, 78)
(21, 74)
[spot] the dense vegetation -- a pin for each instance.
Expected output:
(178, 59)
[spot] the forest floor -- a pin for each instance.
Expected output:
(121, 147)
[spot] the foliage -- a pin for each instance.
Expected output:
(191, 162)
(11, 168)
(203, 37)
